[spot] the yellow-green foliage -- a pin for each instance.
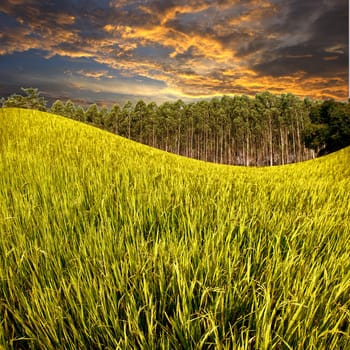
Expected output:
(109, 244)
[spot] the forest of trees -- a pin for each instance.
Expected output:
(261, 130)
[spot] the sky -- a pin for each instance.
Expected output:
(111, 51)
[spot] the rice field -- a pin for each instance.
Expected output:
(109, 244)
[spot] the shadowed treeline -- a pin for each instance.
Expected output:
(264, 130)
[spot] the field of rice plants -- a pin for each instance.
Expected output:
(109, 244)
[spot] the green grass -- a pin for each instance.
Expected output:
(109, 244)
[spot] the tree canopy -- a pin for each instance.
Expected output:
(263, 130)
(31, 100)
(329, 128)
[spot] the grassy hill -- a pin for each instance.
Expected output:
(109, 244)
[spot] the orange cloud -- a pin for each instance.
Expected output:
(168, 37)
(64, 19)
(297, 84)
(331, 58)
(95, 75)
(177, 10)
(255, 14)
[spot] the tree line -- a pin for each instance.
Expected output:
(263, 130)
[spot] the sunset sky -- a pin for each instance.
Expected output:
(113, 50)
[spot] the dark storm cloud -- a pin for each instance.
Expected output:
(320, 50)
(310, 65)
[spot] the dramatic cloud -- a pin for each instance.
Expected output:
(178, 49)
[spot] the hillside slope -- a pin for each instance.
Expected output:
(106, 243)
